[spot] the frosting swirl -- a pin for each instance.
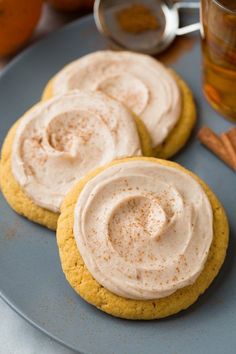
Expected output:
(143, 229)
(60, 140)
(142, 83)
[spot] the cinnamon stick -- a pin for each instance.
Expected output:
(214, 143)
(232, 136)
(229, 148)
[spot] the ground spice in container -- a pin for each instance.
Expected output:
(137, 18)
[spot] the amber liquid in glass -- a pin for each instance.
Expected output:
(219, 55)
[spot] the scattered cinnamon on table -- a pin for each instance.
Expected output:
(223, 147)
(137, 18)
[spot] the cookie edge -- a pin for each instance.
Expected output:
(90, 290)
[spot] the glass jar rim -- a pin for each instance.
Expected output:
(217, 2)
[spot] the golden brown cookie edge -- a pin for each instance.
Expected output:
(88, 288)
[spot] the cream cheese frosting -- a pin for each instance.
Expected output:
(142, 83)
(60, 140)
(143, 229)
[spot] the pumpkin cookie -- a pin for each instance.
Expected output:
(59, 141)
(141, 238)
(161, 99)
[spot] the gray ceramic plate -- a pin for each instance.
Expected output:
(31, 280)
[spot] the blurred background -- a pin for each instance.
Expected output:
(22, 22)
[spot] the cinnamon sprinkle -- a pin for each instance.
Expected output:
(137, 18)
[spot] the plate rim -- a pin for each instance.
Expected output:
(45, 38)
(35, 324)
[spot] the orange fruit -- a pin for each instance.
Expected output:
(71, 5)
(18, 19)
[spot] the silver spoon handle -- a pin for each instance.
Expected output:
(190, 28)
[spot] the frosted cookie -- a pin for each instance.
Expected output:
(59, 141)
(154, 93)
(141, 238)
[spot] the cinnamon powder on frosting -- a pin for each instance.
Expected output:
(137, 18)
